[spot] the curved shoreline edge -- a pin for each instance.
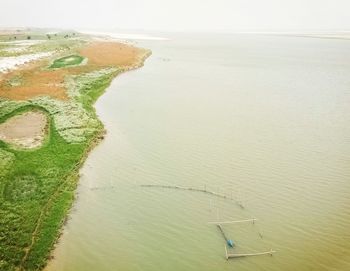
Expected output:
(96, 141)
(38, 187)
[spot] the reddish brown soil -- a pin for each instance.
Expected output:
(38, 81)
(111, 54)
(35, 82)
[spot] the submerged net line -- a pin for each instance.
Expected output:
(215, 194)
(223, 196)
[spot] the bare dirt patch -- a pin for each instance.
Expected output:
(25, 131)
(35, 83)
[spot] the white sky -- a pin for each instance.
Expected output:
(179, 15)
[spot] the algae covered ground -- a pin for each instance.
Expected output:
(67, 61)
(37, 185)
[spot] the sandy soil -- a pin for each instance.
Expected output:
(23, 43)
(122, 36)
(26, 130)
(14, 62)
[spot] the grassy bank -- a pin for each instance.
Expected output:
(37, 186)
(38, 190)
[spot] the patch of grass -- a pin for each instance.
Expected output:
(72, 121)
(67, 61)
(6, 160)
(15, 81)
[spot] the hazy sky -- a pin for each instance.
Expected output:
(179, 15)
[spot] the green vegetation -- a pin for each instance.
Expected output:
(67, 61)
(39, 42)
(37, 34)
(37, 186)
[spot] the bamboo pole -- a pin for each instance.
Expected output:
(222, 232)
(232, 222)
(238, 255)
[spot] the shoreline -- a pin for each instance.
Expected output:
(76, 171)
(99, 138)
(64, 153)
